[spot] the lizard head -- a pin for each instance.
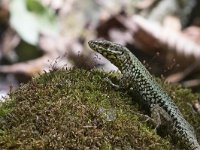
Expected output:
(114, 52)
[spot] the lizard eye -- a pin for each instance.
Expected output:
(106, 45)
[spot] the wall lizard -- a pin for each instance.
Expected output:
(136, 77)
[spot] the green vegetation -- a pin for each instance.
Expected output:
(76, 109)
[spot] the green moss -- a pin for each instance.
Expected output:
(76, 109)
(6, 107)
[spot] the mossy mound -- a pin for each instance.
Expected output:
(76, 109)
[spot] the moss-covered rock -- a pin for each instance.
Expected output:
(76, 109)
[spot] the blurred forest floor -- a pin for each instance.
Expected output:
(38, 35)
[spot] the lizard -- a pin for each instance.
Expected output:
(136, 77)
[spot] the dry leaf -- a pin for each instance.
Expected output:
(152, 36)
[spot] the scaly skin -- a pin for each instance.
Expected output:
(136, 76)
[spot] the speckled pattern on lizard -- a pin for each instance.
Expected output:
(136, 77)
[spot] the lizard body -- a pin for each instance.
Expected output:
(136, 76)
